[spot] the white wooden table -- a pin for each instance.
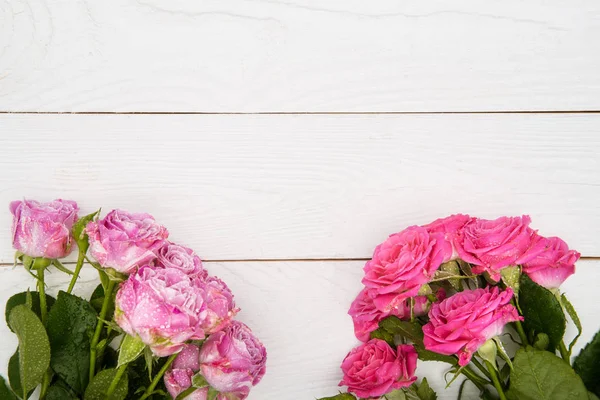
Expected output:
(283, 140)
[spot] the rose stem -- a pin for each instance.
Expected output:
(41, 284)
(481, 368)
(158, 376)
(99, 324)
(495, 379)
(521, 333)
(116, 380)
(476, 379)
(186, 393)
(80, 259)
(563, 352)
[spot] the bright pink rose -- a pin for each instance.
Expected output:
(171, 255)
(233, 360)
(450, 228)
(462, 323)
(552, 264)
(402, 264)
(166, 307)
(124, 241)
(366, 316)
(374, 368)
(43, 229)
(491, 245)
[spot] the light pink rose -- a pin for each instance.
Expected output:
(402, 264)
(171, 255)
(374, 369)
(220, 306)
(463, 322)
(43, 229)
(450, 228)
(550, 262)
(491, 245)
(366, 317)
(233, 360)
(124, 241)
(165, 307)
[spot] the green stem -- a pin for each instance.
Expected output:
(115, 381)
(476, 379)
(99, 325)
(186, 393)
(564, 353)
(481, 368)
(42, 291)
(158, 376)
(521, 333)
(80, 260)
(495, 380)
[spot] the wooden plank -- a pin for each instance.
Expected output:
(299, 55)
(299, 310)
(311, 186)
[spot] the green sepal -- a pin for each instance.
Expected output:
(511, 278)
(59, 266)
(574, 317)
(502, 351)
(488, 352)
(81, 238)
(199, 381)
(130, 349)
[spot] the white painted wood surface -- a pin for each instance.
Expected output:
(299, 55)
(299, 310)
(306, 186)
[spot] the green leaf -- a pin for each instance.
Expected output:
(131, 348)
(409, 330)
(574, 317)
(426, 355)
(71, 324)
(79, 234)
(382, 334)
(540, 375)
(34, 347)
(60, 391)
(5, 392)
(21, 298)
(592, 396)
(99, 385)
(14, 375)
(587, 365)
(542, 312)
(395, 395)
(341, 396)
(425, 391)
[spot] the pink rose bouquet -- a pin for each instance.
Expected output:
(155, 300)
(458, 289)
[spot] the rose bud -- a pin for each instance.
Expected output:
(43, 229)
(366, 317)
(233, 360)
(124, 241)
(374, 369)
(171, 255)
(552, 264)
(402, 264)
(463, 322)
(165, 307)
(491, 245)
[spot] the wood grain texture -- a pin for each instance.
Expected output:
(307, 186)
(298, 309)
(299, 55)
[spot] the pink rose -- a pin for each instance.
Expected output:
(553, 262)
(43, 229)
(402, 264)
(220, 307)
(171, 255)
(165, 307)
(366, 316)
(450, 228)
(123, 241)
(491, 245)
(462, 323)
(374, 369)
(233, 360)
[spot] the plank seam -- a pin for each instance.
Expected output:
(301, 112)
